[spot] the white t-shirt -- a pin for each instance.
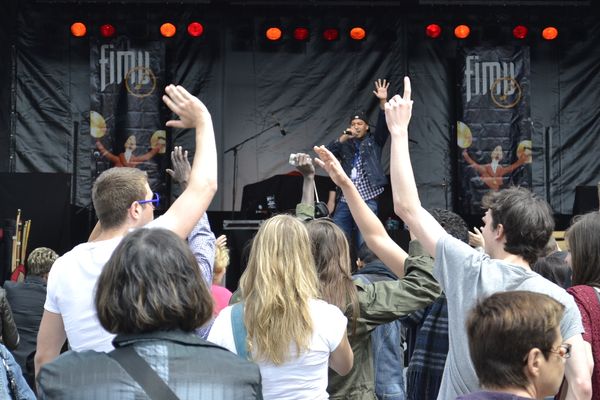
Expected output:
(71, 290)
(304, 377)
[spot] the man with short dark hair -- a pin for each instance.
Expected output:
(517, 226)
(123, 201)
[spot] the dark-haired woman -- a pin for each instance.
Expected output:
(367, 305)
(584, 246)
(152, 296)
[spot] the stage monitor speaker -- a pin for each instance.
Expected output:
(586, 199)
(239, 235)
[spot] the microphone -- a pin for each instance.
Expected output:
(281, 129)
(279, 124)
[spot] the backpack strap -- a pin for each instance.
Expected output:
(239, 330)
(141, 372)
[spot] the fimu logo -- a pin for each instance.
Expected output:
(485, 76)
(115, 65)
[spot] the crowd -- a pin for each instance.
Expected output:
(138, 311)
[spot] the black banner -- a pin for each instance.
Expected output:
(494, 127)
(125, 117)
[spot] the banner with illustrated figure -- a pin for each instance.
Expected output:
(494, 123)
(127, 130)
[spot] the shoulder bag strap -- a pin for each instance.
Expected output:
(239, 330)
(141, 372)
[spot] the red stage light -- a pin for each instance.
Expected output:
(433, 31)
(520, 32)
(462, 31)
(550, 33)
(195, 29)
(168, 29)
(331, 34)
(273, 33)
(358, 33)
(301, 33)
(107, 30)
(78, 29)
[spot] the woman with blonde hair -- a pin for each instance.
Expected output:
(280, 323)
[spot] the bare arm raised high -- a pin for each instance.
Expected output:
(182, 216)
(369, 224)
(407, 205)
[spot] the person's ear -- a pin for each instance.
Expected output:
(535, 358)
(499, 232)
(135, 211)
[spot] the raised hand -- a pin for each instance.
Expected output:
(181, 166)
(381, 89)
(476, 238)
(399, 110)
(221, 241)
(331, 165)
(305, 164)
(191, 111)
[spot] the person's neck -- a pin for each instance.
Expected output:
(511, 258)
(107, 234)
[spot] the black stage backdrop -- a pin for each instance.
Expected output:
(249, 85)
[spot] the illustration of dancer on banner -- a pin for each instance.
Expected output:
(127, 158)
(126, 121)
(492, 174)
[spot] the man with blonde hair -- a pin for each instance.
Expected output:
(26, 300)
(123, 201)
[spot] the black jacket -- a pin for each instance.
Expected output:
(370, 152)
(192, 367)
(26, 300)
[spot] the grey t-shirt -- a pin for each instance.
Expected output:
(466, 275)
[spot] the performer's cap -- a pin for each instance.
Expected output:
(359, 115)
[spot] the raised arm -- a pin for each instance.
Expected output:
(404, 189)
(181, 167)
(381, 92)
(472, 163)
(185, 212)
(105, 153)
(369, 224)
(201, 240)
(381, 133)
(307, 169)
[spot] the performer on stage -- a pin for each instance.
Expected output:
(359, 152)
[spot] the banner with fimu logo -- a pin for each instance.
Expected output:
(127, 82)
(494, 123)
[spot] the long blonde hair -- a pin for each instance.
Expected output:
(278, 284)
